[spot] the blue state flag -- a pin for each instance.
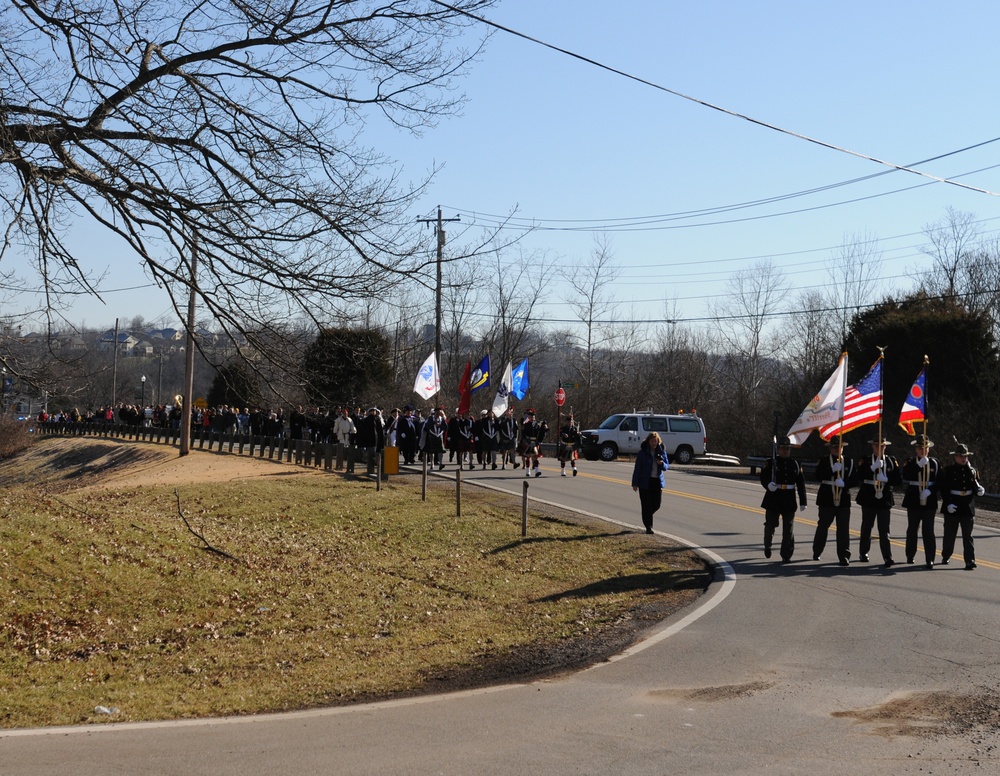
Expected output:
(519, 380)
(480, 375)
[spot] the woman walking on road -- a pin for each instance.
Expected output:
(647, 477)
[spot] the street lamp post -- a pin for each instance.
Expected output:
(143, 402)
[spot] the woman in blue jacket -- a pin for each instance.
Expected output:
(647, 477)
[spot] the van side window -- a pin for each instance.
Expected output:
(685, 424)
(630, 424)
(654, 424)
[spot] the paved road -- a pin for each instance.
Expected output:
(802, 668)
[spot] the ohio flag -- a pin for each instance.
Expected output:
(915, 406)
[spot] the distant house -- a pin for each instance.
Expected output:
(125, 345)
(72, 342)
(162, 345)
(169, 335)
(143, 348)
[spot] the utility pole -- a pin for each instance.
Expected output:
(439, 231)
(114, 370)
(186, 408)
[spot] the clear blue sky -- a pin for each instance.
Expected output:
(572, 145)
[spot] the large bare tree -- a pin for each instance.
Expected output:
(221, 143)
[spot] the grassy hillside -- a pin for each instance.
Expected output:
(163, 601)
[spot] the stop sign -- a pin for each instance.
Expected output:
(560, 396)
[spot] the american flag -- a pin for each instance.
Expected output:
(862, 403)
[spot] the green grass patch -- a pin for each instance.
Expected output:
(334, 593)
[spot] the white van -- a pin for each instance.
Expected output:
(683, 436)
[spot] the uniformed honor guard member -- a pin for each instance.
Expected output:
(920, 476)
(835, 475)
(959, 486)
(782, 479)
(880, 472)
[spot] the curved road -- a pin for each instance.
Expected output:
(799, 668)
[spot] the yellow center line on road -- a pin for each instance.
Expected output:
(802, 520)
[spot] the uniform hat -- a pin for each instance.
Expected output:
(407, 408)
(484, 413)
(784, 442)
(373, 409)
(877, 442)
(529, 411)
(835, 442)
(960, 449)
(922, 441)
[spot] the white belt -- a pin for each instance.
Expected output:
(782, 486)
(919, 484)
(960, 492)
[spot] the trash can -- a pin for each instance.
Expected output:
(390, 461)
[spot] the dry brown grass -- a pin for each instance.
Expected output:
(333, 593)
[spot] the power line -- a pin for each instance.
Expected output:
(712, 106)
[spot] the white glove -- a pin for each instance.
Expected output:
(879, 494)
(980, 491)
(925, 494)
(772, 486)
(923, 462)
(877, 465)
(881, 477)
(802, 507)
(838, 482)
(837, 467)
(951, 509)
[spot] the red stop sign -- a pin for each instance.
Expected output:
(560, 397)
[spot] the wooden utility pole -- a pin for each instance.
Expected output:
(439, 231)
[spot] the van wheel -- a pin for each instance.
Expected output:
(683, 455)
(609, 451)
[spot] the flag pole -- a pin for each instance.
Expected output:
(840, 430)
(881, 398)
(925, 470)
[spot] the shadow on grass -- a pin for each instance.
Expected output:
(90, 459)
(652, 582)
(547, 539)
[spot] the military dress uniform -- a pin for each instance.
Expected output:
(959, 485)
(920, 500)
(782, 479)
(876, 499)
(836, 475)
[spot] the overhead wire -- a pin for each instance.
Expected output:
(713, 106)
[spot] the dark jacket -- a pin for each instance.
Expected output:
(911, 479)
(371, 432)
(867, 493)
(642, 473)
(959, 485)
(787, 474)
(826, 477)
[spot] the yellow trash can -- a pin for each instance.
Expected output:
(391, 460)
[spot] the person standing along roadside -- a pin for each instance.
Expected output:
(782, 477)
(647, 477)
(836, 475)
(920, 500)
(875, 497)
(959, 487)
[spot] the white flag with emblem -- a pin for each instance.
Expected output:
(502, 398)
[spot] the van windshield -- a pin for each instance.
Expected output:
(612, 422)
